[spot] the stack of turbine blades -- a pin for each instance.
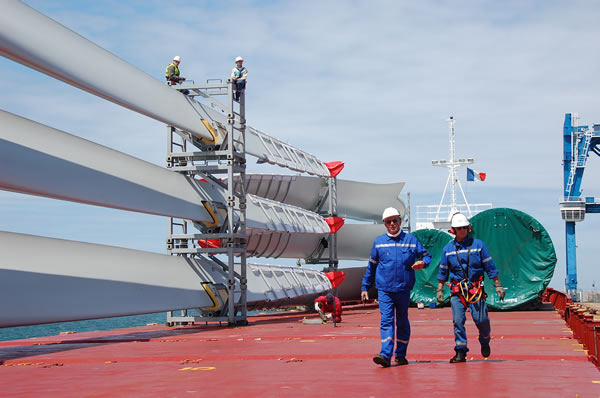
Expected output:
(38, 160)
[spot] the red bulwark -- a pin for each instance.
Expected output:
(533, 355)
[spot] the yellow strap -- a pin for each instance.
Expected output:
(213, 215)
(212, 296)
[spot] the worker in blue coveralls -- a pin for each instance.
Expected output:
(394, 258)
(464, 260)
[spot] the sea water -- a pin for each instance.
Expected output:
(52, 329)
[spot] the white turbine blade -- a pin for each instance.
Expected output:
(354, 241)
(51, 280)
(39, 160)
(32, 39)
(280, 230)
(271, 286)
(366, 201)
(356, 200)
(77, 281)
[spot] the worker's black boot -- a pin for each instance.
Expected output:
(381, 360)
(401, 361)
(461, 356)
(485, 350)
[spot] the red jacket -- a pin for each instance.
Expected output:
(325, 308)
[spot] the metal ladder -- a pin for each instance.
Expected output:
(578, 158)
(582, 157)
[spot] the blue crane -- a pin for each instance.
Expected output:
(578, 141)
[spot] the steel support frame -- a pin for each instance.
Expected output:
(328, 194)
(227, 158)
(575, 154)
(333, 255)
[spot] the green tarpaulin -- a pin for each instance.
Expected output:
(426, 279)
(520, 246)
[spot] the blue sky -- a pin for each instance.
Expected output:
(371, 83)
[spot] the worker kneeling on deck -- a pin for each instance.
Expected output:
(329, 307)
(394, 258)
(464, 260)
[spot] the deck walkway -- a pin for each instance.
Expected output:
(533, 355)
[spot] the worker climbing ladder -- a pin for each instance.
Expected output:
(226, 234)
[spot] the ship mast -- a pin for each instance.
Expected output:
(452, 180)
(451, 122)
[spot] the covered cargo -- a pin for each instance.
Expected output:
(523, 252)
(520, 246)
(426, 279)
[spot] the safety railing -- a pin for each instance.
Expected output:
(436, 213)
(585, 328)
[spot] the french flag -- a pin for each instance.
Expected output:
(474, 175)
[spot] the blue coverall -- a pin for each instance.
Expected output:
(480, 261)
(390, 268)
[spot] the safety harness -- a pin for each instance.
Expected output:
(468, 292)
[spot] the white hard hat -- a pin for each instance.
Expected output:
(177, 58)
(459, 220)
(390, 212)
(239, 59)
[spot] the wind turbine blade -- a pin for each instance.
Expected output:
(77, 281)
(39, 160)
(356, 200)
(51, 280)
(32, 39)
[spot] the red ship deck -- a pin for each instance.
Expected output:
(533, 354)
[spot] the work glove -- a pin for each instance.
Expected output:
(440, 296)
(317, 307)
(500, 290)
